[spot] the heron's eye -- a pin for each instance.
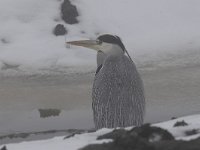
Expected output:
(99, 42)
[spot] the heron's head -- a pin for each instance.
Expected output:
(106, 43)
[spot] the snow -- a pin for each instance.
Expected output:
(80, 140)
(72, 143)
(27, 27)
(148, 28)
(179, 132)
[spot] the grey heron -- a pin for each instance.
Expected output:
(118, 94)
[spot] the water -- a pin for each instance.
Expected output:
(171, 91)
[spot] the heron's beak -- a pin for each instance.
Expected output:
(92, 44)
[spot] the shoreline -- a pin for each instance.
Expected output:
(170, 92)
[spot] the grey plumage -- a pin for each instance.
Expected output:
(118, 94)
(100, 58)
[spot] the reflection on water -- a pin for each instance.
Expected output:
(44, 113)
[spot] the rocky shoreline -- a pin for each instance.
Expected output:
(177, 134)
(143, 138)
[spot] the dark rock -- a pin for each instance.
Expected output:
(4, 148)
(140, 138)
(191, 132)
(69, 12)
(180, 123)
(178, 145)
(59, 30)
(152, 134)
(128, 142)
(147, 132)
(114, 134)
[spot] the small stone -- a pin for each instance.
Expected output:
(59, 30)
(173, 118)
(180, 123)
(191, 132)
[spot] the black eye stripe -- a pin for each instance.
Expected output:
(111, 39)
(108, 38)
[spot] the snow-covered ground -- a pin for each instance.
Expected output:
(179, 132)
(151, 30)
(80, 140)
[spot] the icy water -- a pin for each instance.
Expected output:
(63, 101)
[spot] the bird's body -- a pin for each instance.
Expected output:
(118, 96)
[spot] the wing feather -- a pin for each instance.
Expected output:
(118, 94)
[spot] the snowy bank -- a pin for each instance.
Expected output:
(151, 30)
(180, 133)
